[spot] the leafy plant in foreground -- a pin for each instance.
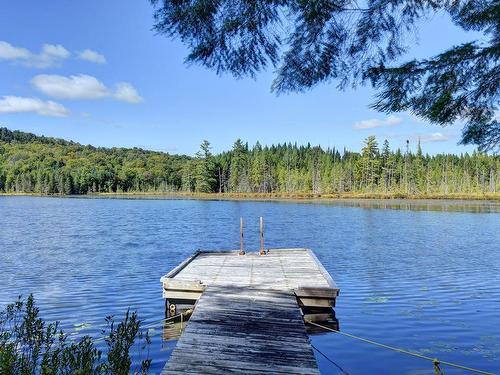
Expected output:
(29, 345)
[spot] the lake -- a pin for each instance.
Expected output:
(421, 275)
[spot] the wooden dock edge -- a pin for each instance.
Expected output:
(181, 295)
(181, 266)
(323, 270)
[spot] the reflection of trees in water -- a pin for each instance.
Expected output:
(421, 205)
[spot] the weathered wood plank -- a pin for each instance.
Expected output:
(247, 318)
(315, 302)
(181, 266)
(222, 337)
(290, 268)
(316, 292)
(187, 285)
(180, 294)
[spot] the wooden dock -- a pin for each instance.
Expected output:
(248, 311)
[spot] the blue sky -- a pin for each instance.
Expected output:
(94, 72)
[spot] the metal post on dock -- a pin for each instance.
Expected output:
(262, 250)
(242, 250)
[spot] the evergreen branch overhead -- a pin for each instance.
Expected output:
(309, 42)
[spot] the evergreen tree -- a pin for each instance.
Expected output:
(257, 171)
(50, 166)
(238, 176)
(368, 164)
(419, 171)
(205, 178)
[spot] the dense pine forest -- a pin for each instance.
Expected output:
(36, 164)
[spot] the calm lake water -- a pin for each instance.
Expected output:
(423, 276)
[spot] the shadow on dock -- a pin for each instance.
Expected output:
(244, 329)
(173, 329)
(248, 311)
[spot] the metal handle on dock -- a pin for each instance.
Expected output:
(242, 249)
(262, 250)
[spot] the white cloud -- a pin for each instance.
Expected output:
(17, 104)
(73, 87)
(434, 137)
(377, 123)
(424, 137)
(83, 87)
(9, 52)
(127, 93)
(55, 51)
(50, 55)
(92, 56)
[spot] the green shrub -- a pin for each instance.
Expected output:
(28, 345)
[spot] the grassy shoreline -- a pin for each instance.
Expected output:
(281, 196)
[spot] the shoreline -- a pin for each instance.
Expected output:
(279, 196)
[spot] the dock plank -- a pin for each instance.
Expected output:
(279, 269)
(224, 337)
(247, 318)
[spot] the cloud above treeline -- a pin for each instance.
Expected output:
(377, 123)
(82, 86)
(18, 104)
(73, 87)
(92, 56)
(50, 55)
(127, 93)
(434, 137)
(424, 137)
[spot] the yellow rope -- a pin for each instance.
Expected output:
(153, 324)
(434, 360)
(182, 315)
(187, 312)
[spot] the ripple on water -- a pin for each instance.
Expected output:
(419, 276)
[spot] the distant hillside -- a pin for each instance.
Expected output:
(36, 164)
(16, 136)
(44, 165)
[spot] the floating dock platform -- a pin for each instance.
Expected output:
(248, 311)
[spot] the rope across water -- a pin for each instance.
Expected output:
(435, 361)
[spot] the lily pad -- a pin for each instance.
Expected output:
(377, 299)
(81, 326)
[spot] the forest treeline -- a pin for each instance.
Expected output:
(35, 164)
